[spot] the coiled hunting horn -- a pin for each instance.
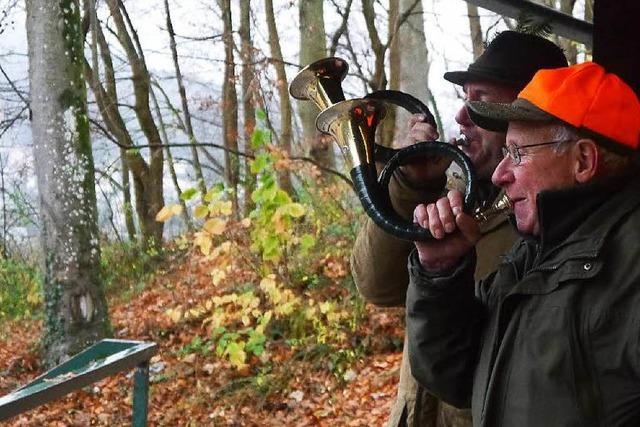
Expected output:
(353, 124)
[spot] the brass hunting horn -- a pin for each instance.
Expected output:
(353, 125)
(320, 82)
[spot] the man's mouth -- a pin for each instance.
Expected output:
(463, 141)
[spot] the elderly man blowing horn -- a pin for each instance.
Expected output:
(552, 337)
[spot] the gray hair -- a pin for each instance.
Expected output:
(610, 161)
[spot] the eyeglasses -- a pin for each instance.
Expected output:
(515, 154)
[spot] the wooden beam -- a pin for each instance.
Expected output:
(563, 25)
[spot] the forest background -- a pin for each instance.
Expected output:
(176, 193)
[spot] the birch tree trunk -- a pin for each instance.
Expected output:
(230, 110)
(313, 48)
(284, 178)
(76, 311)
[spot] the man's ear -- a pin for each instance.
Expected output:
(586, 160)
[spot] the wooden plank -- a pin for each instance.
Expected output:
(563, 25)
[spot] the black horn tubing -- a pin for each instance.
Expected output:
(408, 102)
(375, 201)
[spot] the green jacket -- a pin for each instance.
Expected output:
(552, 338)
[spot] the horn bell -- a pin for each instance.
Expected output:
(320, 82)
(353, 125)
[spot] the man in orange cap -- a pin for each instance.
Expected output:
(553, 336)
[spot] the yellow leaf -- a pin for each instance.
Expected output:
(325, 307)
(236, 353)
(175, 314)
(217, 319)
(167, 212)
(221, 207)
(221, 249)
(246, 321)
(203, 241)
(215, 226)
(176, 209)
(218, 276)
(268, 283)
(246, 222)
(201, 211)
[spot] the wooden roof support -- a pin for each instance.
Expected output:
(563, 25)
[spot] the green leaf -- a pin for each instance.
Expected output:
(260, 163)
(265, 193)
(281, 197)
(271, 248)
(261, 114)
(307, 241)
(255, 343)
(215, 193)
(294, 210)
(260, 138)
(188, 194)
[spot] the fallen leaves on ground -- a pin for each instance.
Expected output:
(193, 389)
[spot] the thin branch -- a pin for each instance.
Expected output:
(13, 86)
(240, 154)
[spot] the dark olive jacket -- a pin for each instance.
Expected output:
(552, 338)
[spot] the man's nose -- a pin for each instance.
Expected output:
(462, 117)
(503, 173)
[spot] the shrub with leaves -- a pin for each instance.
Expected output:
(297, 293)
(20, 289)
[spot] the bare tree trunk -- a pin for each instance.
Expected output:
(172, 170)
(248, 93)
(185, 106)
(414, 55)
(475, 30)
(588, 10)
(3, 188)
(230, 110)
(284, 178)
(126, 194)
(312, 48)
(378, 80)
(75, 307)
(148, 181)
(390, 123)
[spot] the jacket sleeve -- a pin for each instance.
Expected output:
(378, 259)
(444, 321)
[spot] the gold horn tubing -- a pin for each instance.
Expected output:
(320, 82)
(353, 125)
(502, 204)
